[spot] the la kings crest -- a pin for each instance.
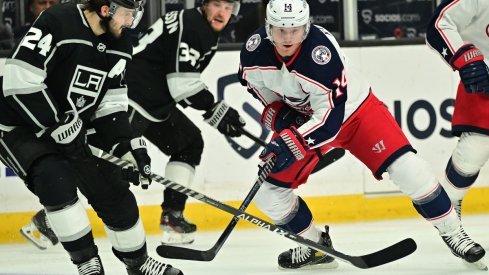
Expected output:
(87, 83)
(85, 87)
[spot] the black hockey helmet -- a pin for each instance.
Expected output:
(135, 5)
(236, 5)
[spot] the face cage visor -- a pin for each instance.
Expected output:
(135, 16)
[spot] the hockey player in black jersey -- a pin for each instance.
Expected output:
(165, 70)
(67, 75)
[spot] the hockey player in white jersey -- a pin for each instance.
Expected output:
(459, 33)
(291, 64)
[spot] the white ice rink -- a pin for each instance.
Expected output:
(255, 251)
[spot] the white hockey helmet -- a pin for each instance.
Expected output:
(287, 14)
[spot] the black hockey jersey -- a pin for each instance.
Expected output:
(168, 61)
(61, 65)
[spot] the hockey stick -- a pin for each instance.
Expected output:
(392, 253)
(177, 252)
(252, 137)
(324, 160)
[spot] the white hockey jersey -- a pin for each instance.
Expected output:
(316, 81)
(459, 22)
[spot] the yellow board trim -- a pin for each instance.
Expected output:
(327, 209)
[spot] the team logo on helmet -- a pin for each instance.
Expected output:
(321, 55)
(287, 7)
(253, 42)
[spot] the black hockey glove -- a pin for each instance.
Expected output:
(474, 73)
(277, 117)
(225, 119)
(70, 136)
(135, 151)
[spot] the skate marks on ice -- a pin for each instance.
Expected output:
(255, 251)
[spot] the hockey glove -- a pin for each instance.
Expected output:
(135, 151)
(225, 119)
(70, 136)
(474, 73)
(278, 116)
(287, 147)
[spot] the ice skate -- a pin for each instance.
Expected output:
(39, 232)
(465, 248)
(176, 229)
(303, 257)
(146, 265)
(91, 267)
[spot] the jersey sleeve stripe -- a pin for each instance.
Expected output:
(22, 78)
(115, 100)
(441, 19)
(183, 85)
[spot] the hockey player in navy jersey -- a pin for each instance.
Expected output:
(290, 64)
(166, 70)
(459, 33)
(66, 76)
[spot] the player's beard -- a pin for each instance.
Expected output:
(105, 23)
(209, 21)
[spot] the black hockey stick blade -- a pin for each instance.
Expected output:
(183, 253)
(389, 254)
(383, 256)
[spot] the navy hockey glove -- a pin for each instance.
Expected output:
(474, 74)
(135, 151)
(70, 136)
(287, 147)
(278, 116)
(225, 119)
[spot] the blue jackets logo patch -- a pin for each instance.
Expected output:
(253, 42)
(321, 55)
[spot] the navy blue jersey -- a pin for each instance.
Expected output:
(316, 81)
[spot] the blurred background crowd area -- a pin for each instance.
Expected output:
(354, 21)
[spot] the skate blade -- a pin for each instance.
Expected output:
(30, 233)
(177, 238)
(479, 265)
(330, 265)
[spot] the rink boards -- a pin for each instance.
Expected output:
(413, 82)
